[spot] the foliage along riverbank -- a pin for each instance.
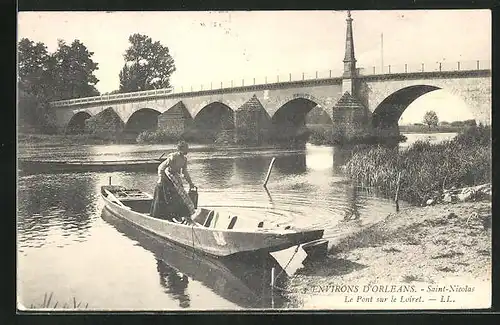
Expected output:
(48, 140)
(426, 169)
(322, 134)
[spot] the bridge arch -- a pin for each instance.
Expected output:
(213, 120)
(289, 121)
(76, 124)
(387, 113)
(304, 96)
(141, 120)
(293, 112)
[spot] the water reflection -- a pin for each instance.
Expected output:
(291, 164)
(175, 283)
(243, 280)
(218, 171)
(353, 204)
(250, 169)
(66, 202)
(340, 156)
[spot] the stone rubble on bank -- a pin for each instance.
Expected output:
(466, 194)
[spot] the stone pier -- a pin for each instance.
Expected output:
(176, 120)
(251, 122)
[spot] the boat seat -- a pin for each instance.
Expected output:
(232, 222)
(209, 219)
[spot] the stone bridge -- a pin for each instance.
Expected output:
(357, 101)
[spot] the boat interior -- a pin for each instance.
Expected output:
(140, 202)
(134, 199)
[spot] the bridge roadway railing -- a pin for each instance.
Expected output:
(444, 66)
(283, 78)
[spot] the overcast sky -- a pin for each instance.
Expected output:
(221, 46)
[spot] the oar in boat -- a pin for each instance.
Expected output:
(113, 198)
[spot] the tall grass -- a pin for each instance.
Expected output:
(426, 169)
(49, 303)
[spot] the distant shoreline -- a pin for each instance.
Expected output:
(433, 129)
(46, 140)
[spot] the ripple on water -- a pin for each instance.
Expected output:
(308, 211)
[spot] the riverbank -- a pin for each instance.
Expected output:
(433, 129)
(424, 170)
(145, 138)
(47, 140)
(418, 245)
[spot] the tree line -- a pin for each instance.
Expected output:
(431, 119)
(69, 72)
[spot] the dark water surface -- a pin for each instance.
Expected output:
(68, 247)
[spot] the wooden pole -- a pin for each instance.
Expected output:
(396, 199)
(109, 180)
(272, 287)
(269, 171)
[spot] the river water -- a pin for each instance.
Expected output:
(70, 249)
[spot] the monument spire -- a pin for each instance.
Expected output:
(349, 59)
(349, 76)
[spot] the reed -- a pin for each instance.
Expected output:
(464, 161)
(49, 303)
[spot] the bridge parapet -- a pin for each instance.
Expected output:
(286, 80)
(106, 98)
(444, 66)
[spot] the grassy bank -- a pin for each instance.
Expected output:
(425, 168)
(67, 139)
(323, 134)
(418, 245)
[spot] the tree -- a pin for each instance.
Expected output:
(430, 118)
(33, 75)
(73, 71)
(148, 65)
(34, 84)
(43, 77)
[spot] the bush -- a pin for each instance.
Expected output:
(475, 135)
(191, 135)
(425, 168)
(325, 135)
(320, 134)
(157, 136)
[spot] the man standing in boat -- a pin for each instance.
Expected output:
(171, 201)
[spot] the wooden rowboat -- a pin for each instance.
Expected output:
(211, 233)
(243, 281)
